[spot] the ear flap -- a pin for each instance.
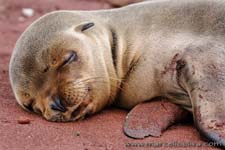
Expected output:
(84, 26)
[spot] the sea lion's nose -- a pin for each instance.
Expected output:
(57, 105)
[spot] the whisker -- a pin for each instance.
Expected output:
(86, 79)
(81, 84)
(117, 86)
(96, 78)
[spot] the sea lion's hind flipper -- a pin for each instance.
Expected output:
(201, 72)
(151, 118)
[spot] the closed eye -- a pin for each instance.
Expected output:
(46, 69)
(29, 106)
(70, 57)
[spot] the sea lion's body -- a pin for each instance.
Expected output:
(174, 49)
(157, 35)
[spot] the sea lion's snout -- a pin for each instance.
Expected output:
(69, 102)
(59, 110)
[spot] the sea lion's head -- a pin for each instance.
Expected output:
(62, 67)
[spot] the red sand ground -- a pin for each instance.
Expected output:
(101, 132)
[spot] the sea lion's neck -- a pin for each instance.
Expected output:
(124, 56)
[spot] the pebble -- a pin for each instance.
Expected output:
(23, 120)
(28, 12)
(77, 133)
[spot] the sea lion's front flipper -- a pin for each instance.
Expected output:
(151, 118)
(209, 113)
(202, 74)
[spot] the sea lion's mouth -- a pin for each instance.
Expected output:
(81, 111)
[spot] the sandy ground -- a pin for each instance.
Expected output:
(100, 132)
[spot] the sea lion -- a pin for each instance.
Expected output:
(69, 64)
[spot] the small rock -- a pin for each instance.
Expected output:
(77, 133)
(27, 12)
(23, 120)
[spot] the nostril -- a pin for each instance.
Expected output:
(57, 105)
